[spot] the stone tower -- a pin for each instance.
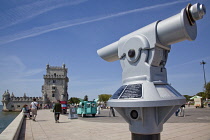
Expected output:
(55, 84)
(5, 99)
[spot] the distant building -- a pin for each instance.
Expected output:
(55, 84)
(12, 103)
(55, 88)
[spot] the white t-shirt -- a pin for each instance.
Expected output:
(33, 105)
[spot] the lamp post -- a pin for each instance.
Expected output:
(203, 63)
(204, 75)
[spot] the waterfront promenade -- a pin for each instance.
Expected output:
(196, 125)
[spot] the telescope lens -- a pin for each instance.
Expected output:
(134, 114)
(131, 53)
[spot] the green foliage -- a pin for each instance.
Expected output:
(86, 98)
(104, 97)
(207, 90)
(187, 97)
(74, 100)
(201, 94)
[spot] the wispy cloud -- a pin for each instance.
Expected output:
(195, 61)
(146, 8)
(33, 72)
(25, 12)
(183, 76)
(12, 67)
(70, 23)
(11, 63)
(16, 77)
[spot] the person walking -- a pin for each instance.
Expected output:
(98, 109)
(182, 110)
(111, 112)
(57, 110)
(34, 107)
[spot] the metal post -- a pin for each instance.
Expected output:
(145, 137)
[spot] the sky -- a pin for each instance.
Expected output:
(35, 33)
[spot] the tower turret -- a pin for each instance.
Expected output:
(24, 96)
(5, 99)
(12, 96)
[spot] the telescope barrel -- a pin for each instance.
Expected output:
(110, 52)
(181, 26)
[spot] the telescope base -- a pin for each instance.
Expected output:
(145, 137)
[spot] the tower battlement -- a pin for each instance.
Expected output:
(12, 103)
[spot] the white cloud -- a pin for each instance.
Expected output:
(25, 12)
(33, 72)
(17, 78)
(195, 61)
(70, 23)
(183, 76)
(12, 67)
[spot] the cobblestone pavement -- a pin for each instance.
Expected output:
(196, 125)
(192, 115)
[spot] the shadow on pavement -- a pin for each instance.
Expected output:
(22, 132)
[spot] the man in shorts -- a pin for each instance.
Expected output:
(34, 106)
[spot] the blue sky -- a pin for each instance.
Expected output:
(35, 33)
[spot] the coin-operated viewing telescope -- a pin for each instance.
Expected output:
(146, 101)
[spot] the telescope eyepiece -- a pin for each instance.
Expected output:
(196, 11)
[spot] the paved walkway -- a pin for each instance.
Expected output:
(103, 127)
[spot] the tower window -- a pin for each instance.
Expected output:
(53, 95)
(54, 81)
(55, 74)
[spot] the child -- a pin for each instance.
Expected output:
(26, 111)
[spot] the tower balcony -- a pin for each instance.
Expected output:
(54, 76)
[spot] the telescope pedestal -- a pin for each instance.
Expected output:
(145, 137)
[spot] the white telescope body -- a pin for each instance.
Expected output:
(169, 31)
(146, 100)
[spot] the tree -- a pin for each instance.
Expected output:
(187, 97)
(207, 90)
(201, 94)
(74, 100)
(104, 98)
(86, 98)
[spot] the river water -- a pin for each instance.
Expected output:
(6, 118)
